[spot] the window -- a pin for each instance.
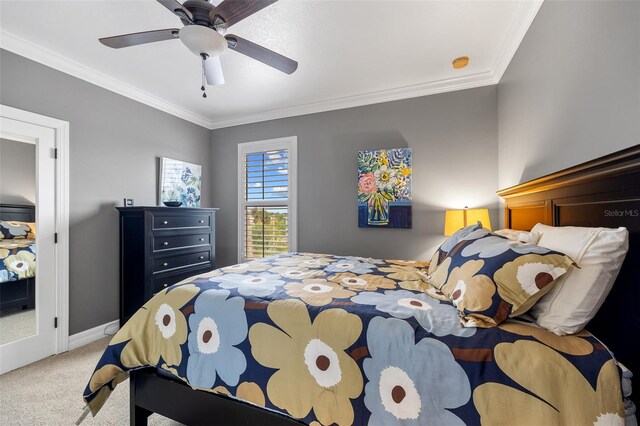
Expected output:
(267, 198)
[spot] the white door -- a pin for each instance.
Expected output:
(41, 342)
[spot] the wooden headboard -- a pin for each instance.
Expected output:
(603, 192)
(17, 212)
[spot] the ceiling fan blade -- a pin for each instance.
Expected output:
(213, 71)
(127, 40)
(177, 9)
(231, 12)
(261, 54)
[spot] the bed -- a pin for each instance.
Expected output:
(322, 339)
(17, 258)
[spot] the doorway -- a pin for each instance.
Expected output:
(33, 237)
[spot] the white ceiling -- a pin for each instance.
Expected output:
(350, 53)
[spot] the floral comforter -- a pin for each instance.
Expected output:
(348, 340)
(17, 259)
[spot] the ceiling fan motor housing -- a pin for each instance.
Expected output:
(200, 39)
(200, 10)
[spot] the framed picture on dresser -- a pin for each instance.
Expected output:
(179, 181)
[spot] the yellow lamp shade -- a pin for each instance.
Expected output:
(457, 219)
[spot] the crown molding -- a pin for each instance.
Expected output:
(396, 94)
(525, 14)
(61, 63)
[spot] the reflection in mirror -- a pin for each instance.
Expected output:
(17, 240)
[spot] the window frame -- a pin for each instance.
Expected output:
(290, 143)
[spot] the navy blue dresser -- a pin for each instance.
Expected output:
(160, 246)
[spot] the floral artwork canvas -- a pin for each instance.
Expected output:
(180, 181)
(384, 188)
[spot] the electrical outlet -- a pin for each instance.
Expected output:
(128, 202)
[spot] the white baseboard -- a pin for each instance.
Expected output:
(85, 337)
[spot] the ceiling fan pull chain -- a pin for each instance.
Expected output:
(204, 57)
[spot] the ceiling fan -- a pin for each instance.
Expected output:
(204, 33)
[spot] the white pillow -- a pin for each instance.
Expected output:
(578, 294)
(522, 236)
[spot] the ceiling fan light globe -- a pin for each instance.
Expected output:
(213, 71)
(200, 39)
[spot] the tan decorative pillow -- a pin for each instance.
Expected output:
(491, 278)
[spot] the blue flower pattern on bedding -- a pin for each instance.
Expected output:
(218, 324)
(438, 318)
(5, 276)
(493, 246)
(419, 387)
(260, 285)
(356, 265)
(470, 232)
(311, 349)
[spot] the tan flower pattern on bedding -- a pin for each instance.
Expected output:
(23, 264)
(537, 368)
(313, 369)
(368, 282)
(411, 263)
(157, 329)
(246, 391)
(526, 279)
(297, 273)
(106, 374)
(572, 344)
(438, 277)
(318, 292)
(468, 290)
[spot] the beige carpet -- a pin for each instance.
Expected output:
(49, 392)
(17, 325)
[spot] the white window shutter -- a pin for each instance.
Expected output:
(266, 198)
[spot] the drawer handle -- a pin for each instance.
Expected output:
(164, 222)
(166, 243)
(165, 264)
(201, 257)
(201, 221)
(201, 239)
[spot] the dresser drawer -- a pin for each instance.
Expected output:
(160, 283)
(168, 221)
(181, 261)
(181, 241)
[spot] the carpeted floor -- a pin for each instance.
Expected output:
(49, 392)
(17, 325)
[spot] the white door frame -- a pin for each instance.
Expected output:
(61, 280)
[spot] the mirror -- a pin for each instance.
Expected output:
(17, 240)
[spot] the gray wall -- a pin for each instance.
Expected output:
(17, 172)
(114, 142)
(572, 91)
(454, 142)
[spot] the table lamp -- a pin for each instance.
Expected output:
(457, 219)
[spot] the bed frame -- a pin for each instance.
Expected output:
(21, 293)
(602, 192)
